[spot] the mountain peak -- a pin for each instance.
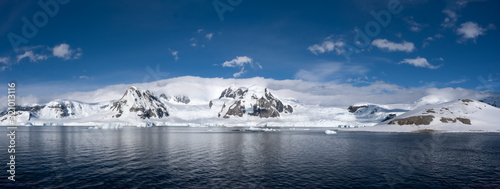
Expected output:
(140, 103)
(254, 101)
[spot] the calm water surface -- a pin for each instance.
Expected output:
(182, 157)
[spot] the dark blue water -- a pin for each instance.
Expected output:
(173, 157)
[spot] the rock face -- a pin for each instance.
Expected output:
(178, 98)
(140, 103)
(237, 109)
(182, 99)
(353, 109)
(415, 120)
(255, 101)
(450, 120)
(233, 92)
(389, 117)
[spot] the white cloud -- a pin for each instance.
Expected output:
(202, 90)
(238, 74)
(458, 81)
(471, 30)
(419, 62)
(450, 20)
(32, 56)
(463, 3)
(175, 54)
(65, 52)
(428, 40)
(335, 70)
(414, 26)
(84, 77)
(239, 61)
(4, 60)
(209, 36)
(440, 59)
(327, 45)
(200, 38)
(391, 46)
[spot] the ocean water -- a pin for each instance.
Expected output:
(185, 157)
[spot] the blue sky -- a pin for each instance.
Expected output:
(86, 45)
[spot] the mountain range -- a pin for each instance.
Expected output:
(257, 105)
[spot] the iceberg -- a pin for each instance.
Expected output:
(330, 132)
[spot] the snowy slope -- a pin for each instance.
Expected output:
(463, 115)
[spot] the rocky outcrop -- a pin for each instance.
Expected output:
(237, 109)
(353, 109)
(233, 92)
(182, 99)
(178, 98)
(259, 102)
(415, 120)
(389, 117)
(140, 103)
(451, 120)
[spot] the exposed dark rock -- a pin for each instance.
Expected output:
(450, 120)
(264, 109)
(182, 99)
(222, 109)
(164, 96)
(389, 117)
(61, 109)
(430, 111)
(237, 109)
(353, 109)
(464, 120)
(417, 120)
(210, 104)
(467, 100)
(231, 93)
(156, 107)
(117, 106)
(288, 109)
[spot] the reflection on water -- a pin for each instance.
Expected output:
(170, 157)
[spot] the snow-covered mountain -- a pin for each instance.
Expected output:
(462, 115)
(137, 103)
(194, 101)
(253, 101)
